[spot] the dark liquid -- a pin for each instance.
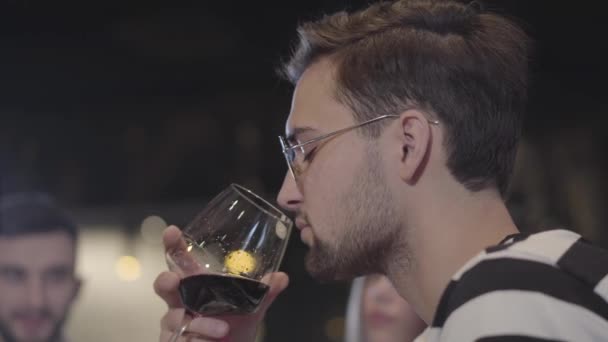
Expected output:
(219, 295)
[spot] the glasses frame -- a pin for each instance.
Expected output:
(287, 148)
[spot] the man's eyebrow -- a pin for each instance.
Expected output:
(298, 131)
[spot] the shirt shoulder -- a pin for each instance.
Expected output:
(526, 275)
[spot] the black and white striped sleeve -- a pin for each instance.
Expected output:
(547, 288)
(519, 300)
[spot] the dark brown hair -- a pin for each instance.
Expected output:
(31, 213)
(465, 67)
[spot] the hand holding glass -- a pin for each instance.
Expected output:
(229, 254)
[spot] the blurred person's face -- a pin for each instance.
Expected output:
(342, 204)
(37, 286)
(386, 316)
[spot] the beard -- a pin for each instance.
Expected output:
(369, 229)
(7, 335)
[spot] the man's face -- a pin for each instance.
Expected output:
(343, 206)
(37, 285)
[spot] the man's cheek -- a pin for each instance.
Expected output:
(60, 302)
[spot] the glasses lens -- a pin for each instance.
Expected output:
(290, 154)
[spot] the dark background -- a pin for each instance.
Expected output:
(138, 103)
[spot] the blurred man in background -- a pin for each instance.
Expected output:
(37, 268)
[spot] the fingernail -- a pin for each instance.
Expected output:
(221, 328)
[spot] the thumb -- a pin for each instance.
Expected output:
(277, 282)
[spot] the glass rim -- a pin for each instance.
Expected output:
(278, 214)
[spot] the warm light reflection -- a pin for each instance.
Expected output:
(128, 268)
(334, 329)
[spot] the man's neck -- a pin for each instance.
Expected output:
(441, 238)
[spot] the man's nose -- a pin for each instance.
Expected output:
(36, 293)
(289, 197)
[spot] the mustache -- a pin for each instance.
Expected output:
(302, 216)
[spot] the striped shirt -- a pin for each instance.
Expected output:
(548, 286)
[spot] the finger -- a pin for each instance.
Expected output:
(196, 339)
(173, 239)
(165, 286)
(201, 327)
(172, 320)
(178, 258)
(207, 327)
(198, 329)
(166, 336)
(277, 283)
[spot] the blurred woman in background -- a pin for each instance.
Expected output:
(376, 313)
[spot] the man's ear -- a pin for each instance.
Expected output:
(77, 287)
(415, 139)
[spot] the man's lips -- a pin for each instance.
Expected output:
(31, 322)
(305, 231)
(379, 319)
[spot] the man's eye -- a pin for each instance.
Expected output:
(13, 276)
(58, 276)
(308, 156)
(291, 154)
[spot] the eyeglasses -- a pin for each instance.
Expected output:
(296, 155)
